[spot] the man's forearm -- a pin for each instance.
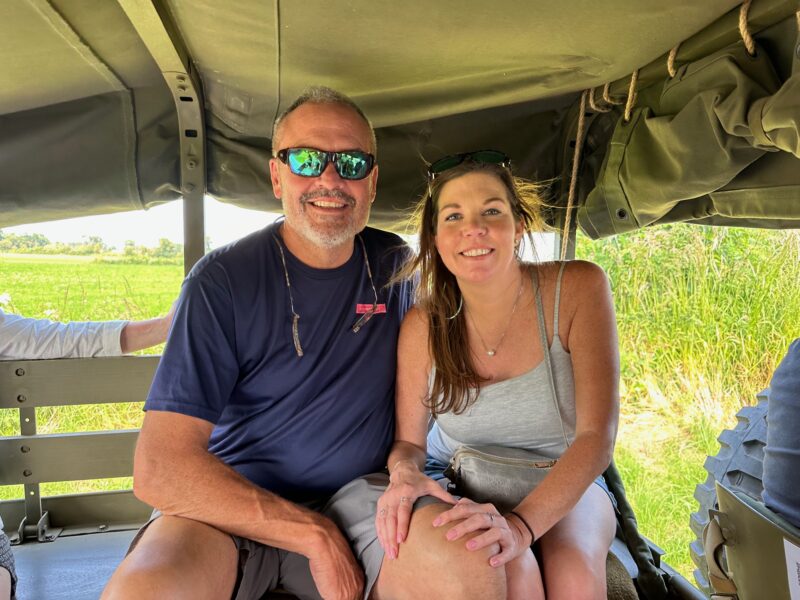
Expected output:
(198, 486)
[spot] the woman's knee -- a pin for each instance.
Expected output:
(430, 564)
(524, 579)
(575, 573)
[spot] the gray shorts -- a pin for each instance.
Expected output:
(7, 560)
(265, 568)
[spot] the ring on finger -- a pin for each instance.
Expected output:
(382, 512)
(491, 517)
(403, 499)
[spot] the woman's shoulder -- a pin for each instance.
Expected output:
(573, 273)
(416, 321)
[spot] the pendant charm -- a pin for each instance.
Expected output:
(491, 352)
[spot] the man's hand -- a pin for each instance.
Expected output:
(336, 573)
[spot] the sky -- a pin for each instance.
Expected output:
(224, 223)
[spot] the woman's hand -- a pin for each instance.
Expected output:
(507, 534)
(406, 484)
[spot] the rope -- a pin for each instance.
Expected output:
(746, 37)
(595, 107)
(673, 54)
(606, 95)
(573, 181)
(631, 95)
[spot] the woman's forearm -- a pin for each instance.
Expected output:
(403, 452)
(586, 459)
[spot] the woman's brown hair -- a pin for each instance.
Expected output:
(456, 382)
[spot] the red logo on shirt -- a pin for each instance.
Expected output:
(365, 308)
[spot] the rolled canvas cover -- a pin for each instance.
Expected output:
(708, 124)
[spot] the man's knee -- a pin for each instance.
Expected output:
(136, 578)
(428, 561)
(176, 558)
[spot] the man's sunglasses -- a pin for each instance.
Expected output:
(486, 157)
(310, 162)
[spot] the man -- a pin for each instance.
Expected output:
(25, 338)
(277, 386)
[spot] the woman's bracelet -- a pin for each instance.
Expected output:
(398, 462)
(524, 522)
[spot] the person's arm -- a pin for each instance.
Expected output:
(175, 473)
(782, 452)
(592, 344)
(138, 335)
(406, 462)
(594, 348)
(23, 338)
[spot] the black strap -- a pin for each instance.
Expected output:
(652, 582)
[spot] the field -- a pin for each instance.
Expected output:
(704, 316)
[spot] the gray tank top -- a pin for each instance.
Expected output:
(519, 412)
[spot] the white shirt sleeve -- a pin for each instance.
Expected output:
(24, 338)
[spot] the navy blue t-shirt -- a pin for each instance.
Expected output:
(301, 427)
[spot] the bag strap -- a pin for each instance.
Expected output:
(545, 346)
(650, 580)
(713, 547)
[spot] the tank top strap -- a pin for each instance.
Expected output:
(540, 315)
(557, 305)
(551, 378)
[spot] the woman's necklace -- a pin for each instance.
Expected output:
(492, 351)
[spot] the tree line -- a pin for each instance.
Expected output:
(165, 252)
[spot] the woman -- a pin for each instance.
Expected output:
(484, 379)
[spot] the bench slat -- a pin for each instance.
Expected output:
(73, 381)
(83, 513)
(67, 456)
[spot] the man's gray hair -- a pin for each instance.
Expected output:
(320, 94)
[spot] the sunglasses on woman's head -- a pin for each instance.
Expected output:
(311, 162)
(485, 157)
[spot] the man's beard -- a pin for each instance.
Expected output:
(337, 232)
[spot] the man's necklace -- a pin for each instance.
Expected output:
(492, 351)
(360, 322)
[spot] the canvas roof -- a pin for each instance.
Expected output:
(89, 123)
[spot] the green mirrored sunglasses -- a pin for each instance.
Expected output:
(311, 162)
(489, 157)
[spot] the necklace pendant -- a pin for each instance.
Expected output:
(491, 352)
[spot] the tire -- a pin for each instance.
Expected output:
(739, 465)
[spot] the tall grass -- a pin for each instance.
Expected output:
(704, 315)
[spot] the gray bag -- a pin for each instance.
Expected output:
(496, 474)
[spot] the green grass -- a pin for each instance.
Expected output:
(71, 288)
(704, 316)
